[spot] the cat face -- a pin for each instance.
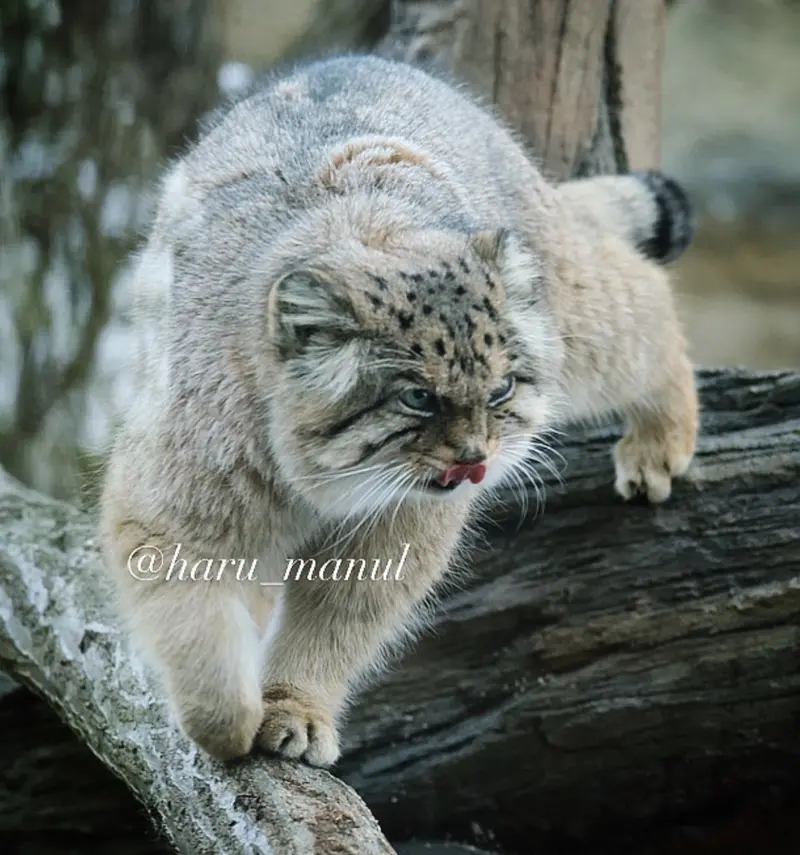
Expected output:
(424, 377)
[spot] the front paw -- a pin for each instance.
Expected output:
(298, 726)
(646, 463)
(224, 732)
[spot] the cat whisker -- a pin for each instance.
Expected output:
(382, 487)
(327, 478)
(368, 488)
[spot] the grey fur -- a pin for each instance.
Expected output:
(350, 238)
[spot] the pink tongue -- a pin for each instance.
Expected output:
(474, 472)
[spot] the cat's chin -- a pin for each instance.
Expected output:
(435, 492)
(436, 488)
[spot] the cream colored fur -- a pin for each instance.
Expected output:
(351, 233)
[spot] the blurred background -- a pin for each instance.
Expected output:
(97, 96)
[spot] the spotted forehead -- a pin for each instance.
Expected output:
(449, 315)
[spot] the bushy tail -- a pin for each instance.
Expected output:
(647, 208)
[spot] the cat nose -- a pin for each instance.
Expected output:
(471, 459)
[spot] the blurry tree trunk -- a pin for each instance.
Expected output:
(95, 95)
(580, 79)
(342, 25)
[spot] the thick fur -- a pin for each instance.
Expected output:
(353, 230)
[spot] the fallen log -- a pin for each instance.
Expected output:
(611, 667)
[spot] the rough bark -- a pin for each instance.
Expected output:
(612, 667)
(58, 637)
(625, 665)
(579, 80)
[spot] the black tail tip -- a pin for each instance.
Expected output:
(675, 225)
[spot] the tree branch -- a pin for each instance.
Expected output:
(58, 637)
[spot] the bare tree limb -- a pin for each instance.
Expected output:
(58, 637)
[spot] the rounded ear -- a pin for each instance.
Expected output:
(305, 304)
(505, 250)
(488, 244)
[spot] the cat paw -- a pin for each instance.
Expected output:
(646, 465)
(223, 732)
(297, 726)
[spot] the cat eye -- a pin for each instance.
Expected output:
(420, 400)
(503, 392)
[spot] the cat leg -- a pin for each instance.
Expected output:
(661, 437)
(204, 644)
(624, 350)
(331, 633)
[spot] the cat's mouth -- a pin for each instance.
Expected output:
(456, 475)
